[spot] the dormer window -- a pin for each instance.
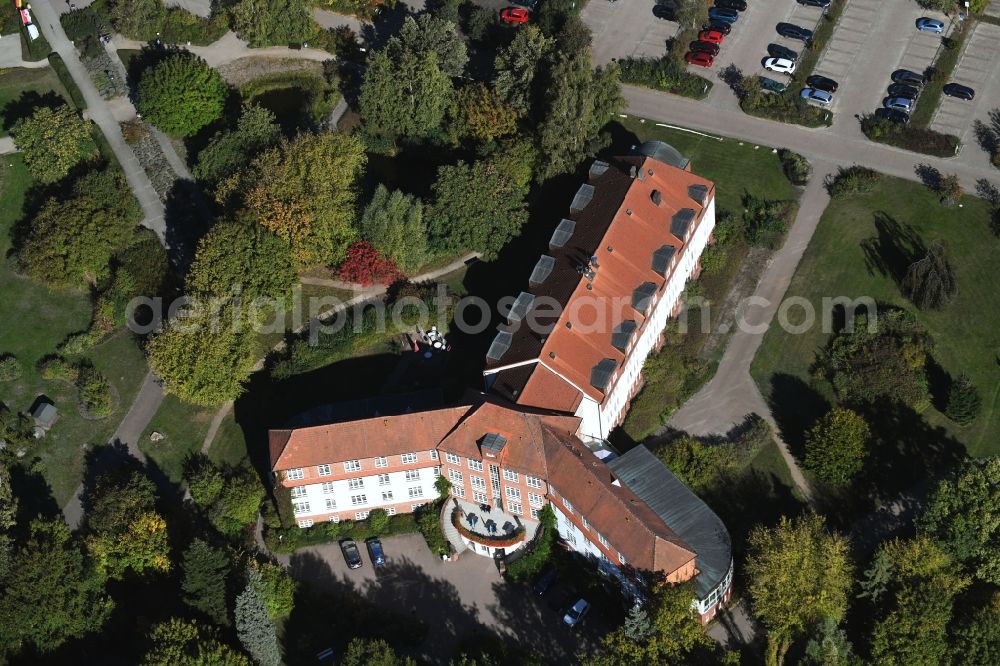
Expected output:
(600, 375)
(681, 222)
(642, 296)
(622, 334)
(662, 258)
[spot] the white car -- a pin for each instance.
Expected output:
(814, 96)
(576, 613)
(780, 65)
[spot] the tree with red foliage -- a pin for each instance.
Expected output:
(365, 266)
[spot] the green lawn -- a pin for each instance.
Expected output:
(229, 446)
(966, 333)
(31, 83)
(184, 427)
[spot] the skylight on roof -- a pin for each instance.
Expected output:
(642, 295)
(542, 269)
(562, 233)
(600, 376)
(493, 444)
(521, 306)
(681, 221)
(597, 168)
(581, 199)
(662, 257)
(622, 334)
(499, 346)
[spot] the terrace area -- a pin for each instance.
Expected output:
(471, 526)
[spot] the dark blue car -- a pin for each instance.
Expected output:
(375, 552)
(726, 15)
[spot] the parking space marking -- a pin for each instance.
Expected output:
(975, 69)
(626, 29)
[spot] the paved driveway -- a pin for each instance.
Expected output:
(976, 69)
(458, 600)
(626, 28)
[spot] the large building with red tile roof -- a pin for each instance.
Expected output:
(597, 302)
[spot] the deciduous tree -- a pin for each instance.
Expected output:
(272, 22)
(141, 546)
(975, 635)
(179, 642)
(241, 258)
(394, 224)
(428, 34)
(403, 98)
(52, 141)
(362, 652)
(837, 446)
(181, 94)
(203, 585)
(277, 588)
(255, 130)
(516, 65)
(138, 19)
(799, 575)
(480, 114)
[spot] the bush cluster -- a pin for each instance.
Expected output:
(95, 391)
(666, 73)
(852, 180)
(908, 137)
(10, 368)
(765, 221)
(538, 551)
(797, 168)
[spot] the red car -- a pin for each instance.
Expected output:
(713, 36)
(699, 58)
(514, 15)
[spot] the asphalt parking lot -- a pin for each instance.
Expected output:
(975, 69)
(626, 28)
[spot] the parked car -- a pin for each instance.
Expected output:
(907, 76)
(576, 612)
(545, 581)
(814, 96)
(779, 51)
(815, 3)
(893, 115)
(780, 65)
(792, 31)
(704, 47)
(514, 15)
(822, 83)
(901, 103)
(771, 85)
(351, 554)
(664, 12)
(719, 26)
(903, 90)
(375, 552)
(738, 5)
(699, 58)
(926, 24)
(959, 91)
(720, 14)
(713, 36)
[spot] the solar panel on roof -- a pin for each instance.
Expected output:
(600, 376)
(597, 168)
(499, 346)
(622, 334)
(680, 222)
(662, 257)
(542, 269)
(521, 306)
(581, 199)
(698, 192)
(563, 232)
(642, 295)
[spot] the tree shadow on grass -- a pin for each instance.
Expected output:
(26, 104)
(796, 406)
(894, 247)
(187, 216)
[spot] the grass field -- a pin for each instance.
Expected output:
(184, 427)
(36, 319)
(966, 333)
(20, 84)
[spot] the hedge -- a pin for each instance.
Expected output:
(852, 180)
(288, 540)
(59, 67)
(939, 74)
(917, 139)
(664, 73)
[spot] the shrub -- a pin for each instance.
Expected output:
(378, 520)
(666, 73)
(95, 391)
(837, 446)
(786, 107)
(908, 137)
(10, 368)
(930, 281)
(538, 551)
(82, 23)
(56, 367)
(797, 168)
(365, 266)
(765, 222)
(430, 526)
(852, 180)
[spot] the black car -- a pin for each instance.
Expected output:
(793, 31)
(779, 51)
(822, 83)
(893, 115)
(704, 47)
(815, 3)
(738, 5)
(545, 582)
(908, 77)
(959, 91)
(351, 553)
(721, 26)
(903, 90)
(664, 12)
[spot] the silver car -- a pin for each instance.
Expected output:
(576, 612)
(925, 24)
(898, 103)
(814, 96)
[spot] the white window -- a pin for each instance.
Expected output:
(510, 476)
(306, 522)
(300, 507)
(386, 495)
(586, 525)
(514, 507)
(413, 475)
(359, 499)
(478, 482)
(360, 515)
(569, 507)
(415, 491)
(355, 484)
(383, 479)
(479, 497)
(331, 504)
(535, 500)
(328, 487)
(533, 482)
(514, 493)
(408, 458)
(323, 470)
(453, 459)
(298, 491)
(604, 542)
(334, 519)
(414, 507)
(534, 513)
(476, 465)
(621, 558)
(458, 491)
(352, 466)
(455, 477)
(294, 474)
(437, 472)
(391, 511)
(381, 461)
(434, 454)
